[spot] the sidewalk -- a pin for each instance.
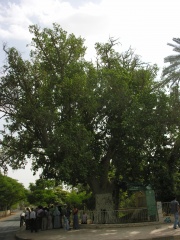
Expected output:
(153, 231)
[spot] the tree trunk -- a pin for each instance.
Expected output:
(103, 190)
(105, 212)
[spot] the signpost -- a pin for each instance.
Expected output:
(150, 199)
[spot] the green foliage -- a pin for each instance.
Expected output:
(42, 193)
(171, 73)
(83, 123)
(11, 192)
(170, 80)
(126, 201)
(77, 199)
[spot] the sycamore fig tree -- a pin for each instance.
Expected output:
(80, 122)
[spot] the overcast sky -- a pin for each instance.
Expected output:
(145, 25)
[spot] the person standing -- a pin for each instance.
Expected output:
(174, 205)
(49, 219)
(68, 214)
(33, 222)
(56, 215)
(75, 218)
(66, 223)
(60, 216)
(39, 217)
(84, 218)
(22, 218)
(27, 218)
(51, 210)
(44, 219)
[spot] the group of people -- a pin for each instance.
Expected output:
(53, 217)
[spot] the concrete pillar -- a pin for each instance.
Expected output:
(160, 213)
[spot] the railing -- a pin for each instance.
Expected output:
(166, 209)
(121, 216)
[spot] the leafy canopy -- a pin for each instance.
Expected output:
(96, 124)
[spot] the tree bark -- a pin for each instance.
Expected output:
(105, 212)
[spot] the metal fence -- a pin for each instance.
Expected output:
(166, 210)
(121, 216)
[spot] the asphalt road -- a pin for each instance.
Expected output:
(9, 226)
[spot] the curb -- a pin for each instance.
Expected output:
(17, 237)
(22, 238)
(102, 226)
(155, 238)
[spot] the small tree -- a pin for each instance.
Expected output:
(42, 193)
(11, 192)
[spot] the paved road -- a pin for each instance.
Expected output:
(150, 231)
(9, 226)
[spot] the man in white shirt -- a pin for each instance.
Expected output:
(33, 223)
(22, 219)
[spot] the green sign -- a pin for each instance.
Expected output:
(151, 203)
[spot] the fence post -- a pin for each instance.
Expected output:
(160, 213)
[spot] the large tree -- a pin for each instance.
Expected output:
(170, 80)
(81, 122)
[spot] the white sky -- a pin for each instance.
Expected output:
(145, 25)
